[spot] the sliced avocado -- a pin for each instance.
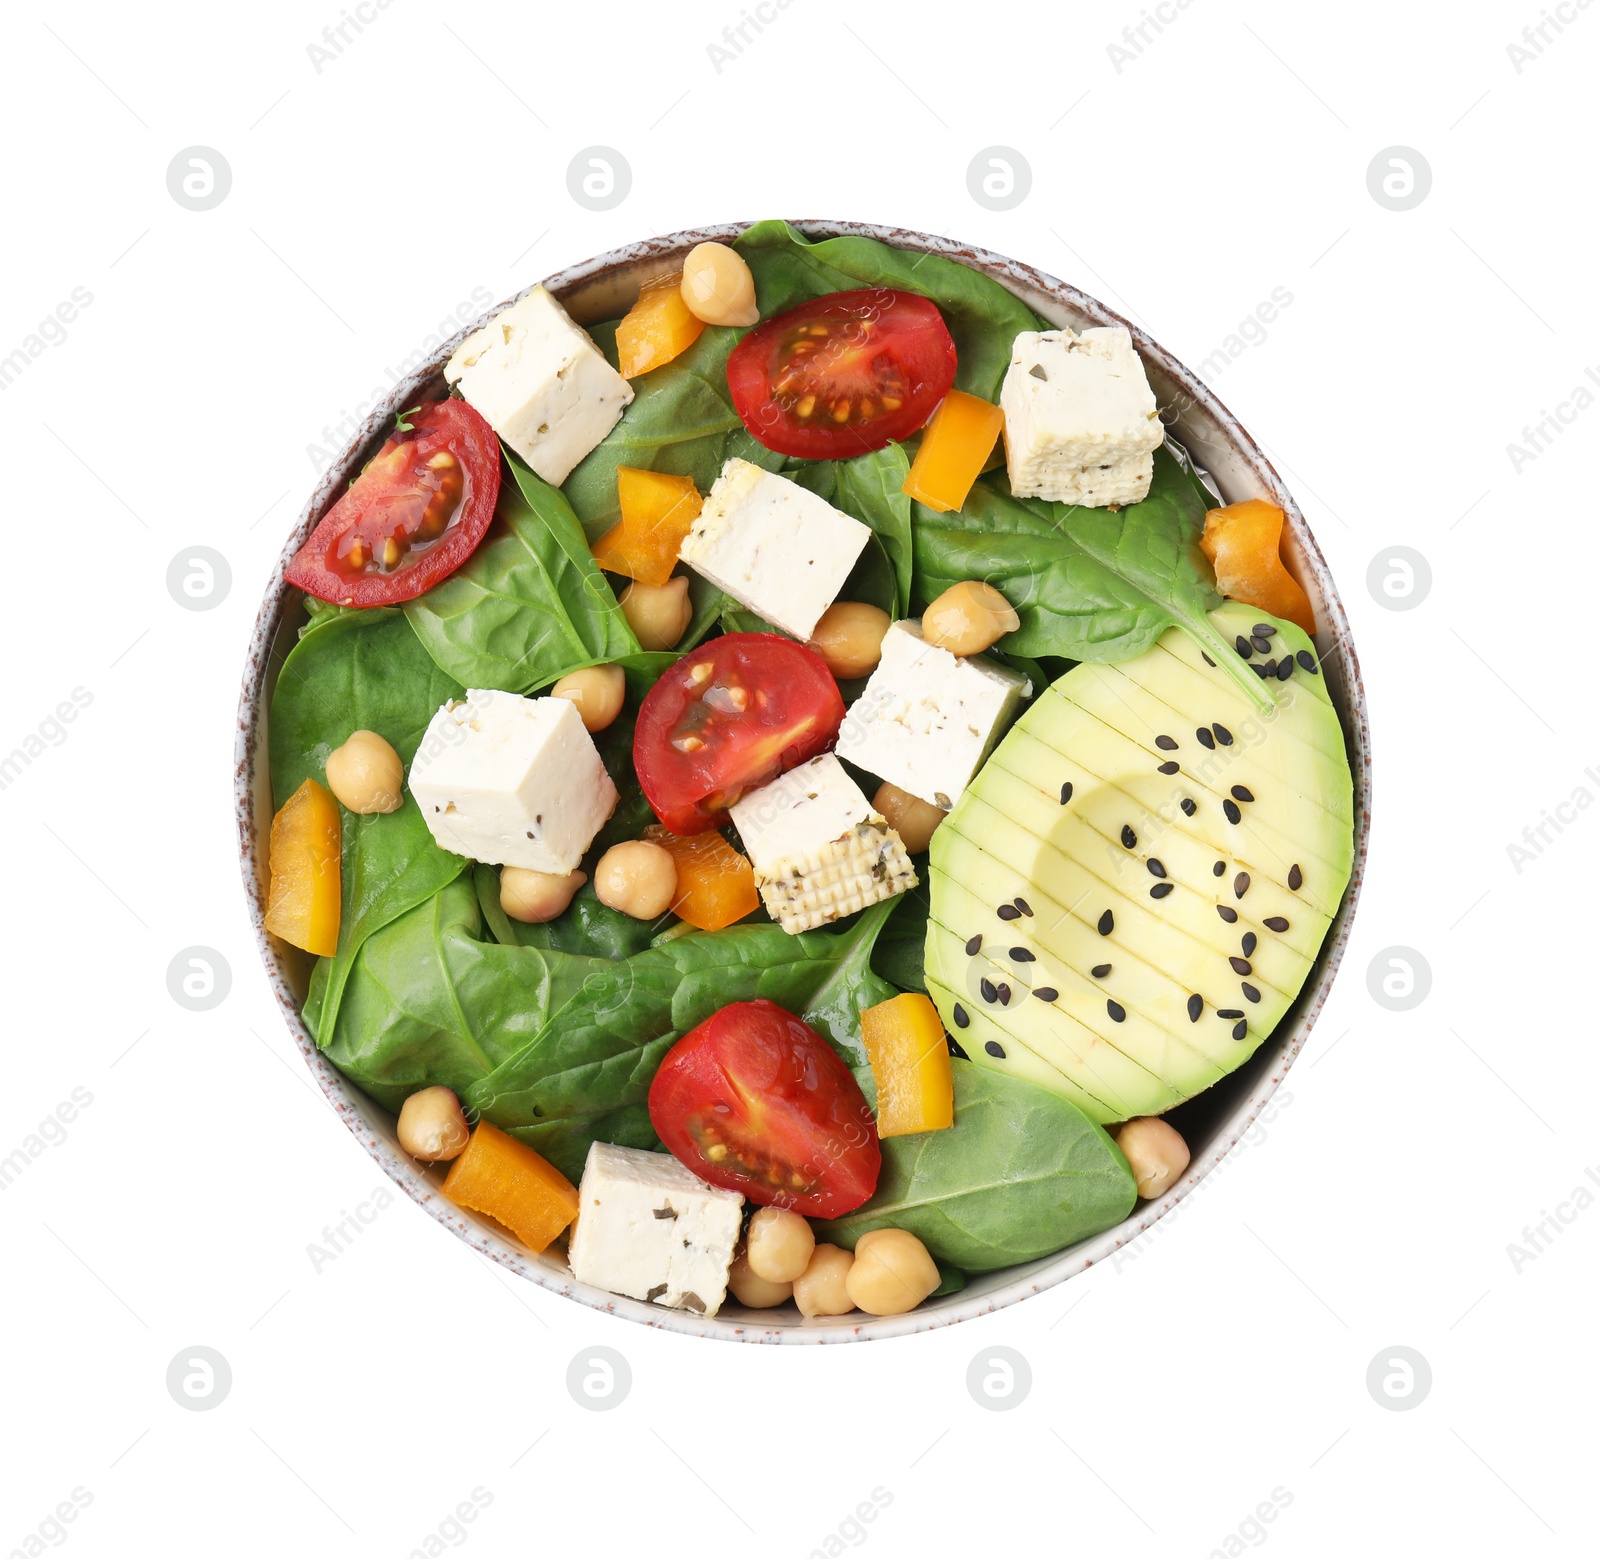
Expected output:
(1072, 851)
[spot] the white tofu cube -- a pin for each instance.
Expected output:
(651, 1229)
(773, 546)
(1081, 419)
(540, 383)
(926, 718)
(512, 781)
(800, 811)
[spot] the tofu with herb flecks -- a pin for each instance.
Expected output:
(1081, 422)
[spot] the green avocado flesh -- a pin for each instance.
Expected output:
(1011, 837)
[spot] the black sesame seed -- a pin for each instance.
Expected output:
(1230, 1013)
(1009, 912)
(1189, 808)
(1161, 890)
(995, 1048)
(1046, 992)
(1263, 669)
(1222, 734)
(1250, 992)
(1116, 1010)
(1247, 944)
(1129, 838)
(1285, 667)
(1066, 793)
(1228, 913)
(1196, 1007)
(1206, 739)
(1265, 630)
(1241, 1028)
(1295, 879)
(1242, 644)
(1023, 905)
(1239, 965)
(1308, 661)
(1219, 868)
(1166, 744)
(1241, 885)
(960, 1014)
(1100, 971)
(1206, 658)
(1155, 868)
(1230, 810)
(1261, 642)
(974, 943)
(986, 990)
(1106, 924)
(1239, 793)
(1169, 767)
(1275, 923)
(1021, 955)
(955, 1049)
(1004, 992)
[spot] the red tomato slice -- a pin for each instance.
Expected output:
(844, 374)
(728, 717)
(756, 1101)
(413, 516)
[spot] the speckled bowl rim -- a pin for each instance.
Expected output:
(600, 288)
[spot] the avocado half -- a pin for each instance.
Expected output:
(1131, 892)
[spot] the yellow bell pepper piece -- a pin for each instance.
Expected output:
(1244, 544)
(657, 511)
(911, 1063)
(515, 1186)
(657, 328)
(956, 443)
(303, 856)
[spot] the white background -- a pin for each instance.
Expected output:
(1172, 1393)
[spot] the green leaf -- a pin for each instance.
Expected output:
(869, 488)
(1088, 584)
(898, 955)
(530, 604)
(1022, 1173)
(587, 927)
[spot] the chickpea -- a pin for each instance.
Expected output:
(820, 1289)
(893, 1273)
(779, 1244)
(968, 617)
(365, 773)
(431, 1125)
(750, 1288)
(849, 637)
(717, 286)
(658, 614)
(639, 878)
(909, 816)
(535, 897)
(1155, 1152)
(597, 691)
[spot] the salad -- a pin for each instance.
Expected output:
(788, 789)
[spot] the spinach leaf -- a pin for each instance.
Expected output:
(983, 317)
(1088, 584)
(898, 956)
(869, 488)
(362, 671)
(588, 926)
(530, 604)
(1022, 1173)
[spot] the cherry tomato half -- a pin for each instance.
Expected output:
(728, 717)
(756, 1101)
(413, 516)
(844, 374)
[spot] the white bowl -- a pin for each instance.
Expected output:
(603, 288)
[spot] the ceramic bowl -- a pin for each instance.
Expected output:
(603, 288)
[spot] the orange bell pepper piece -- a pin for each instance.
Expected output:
(1244, 543)
(657, 328)
(506, 1179)
(303, 857)
(657, 511)
(716, 885)
(911, 1064)
(957, 442)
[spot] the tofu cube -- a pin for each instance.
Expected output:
(651, 1229)
(773, 546)
(512, 781)
(540, 383)
(1081, 419)
(818, 848)
(926, 718)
